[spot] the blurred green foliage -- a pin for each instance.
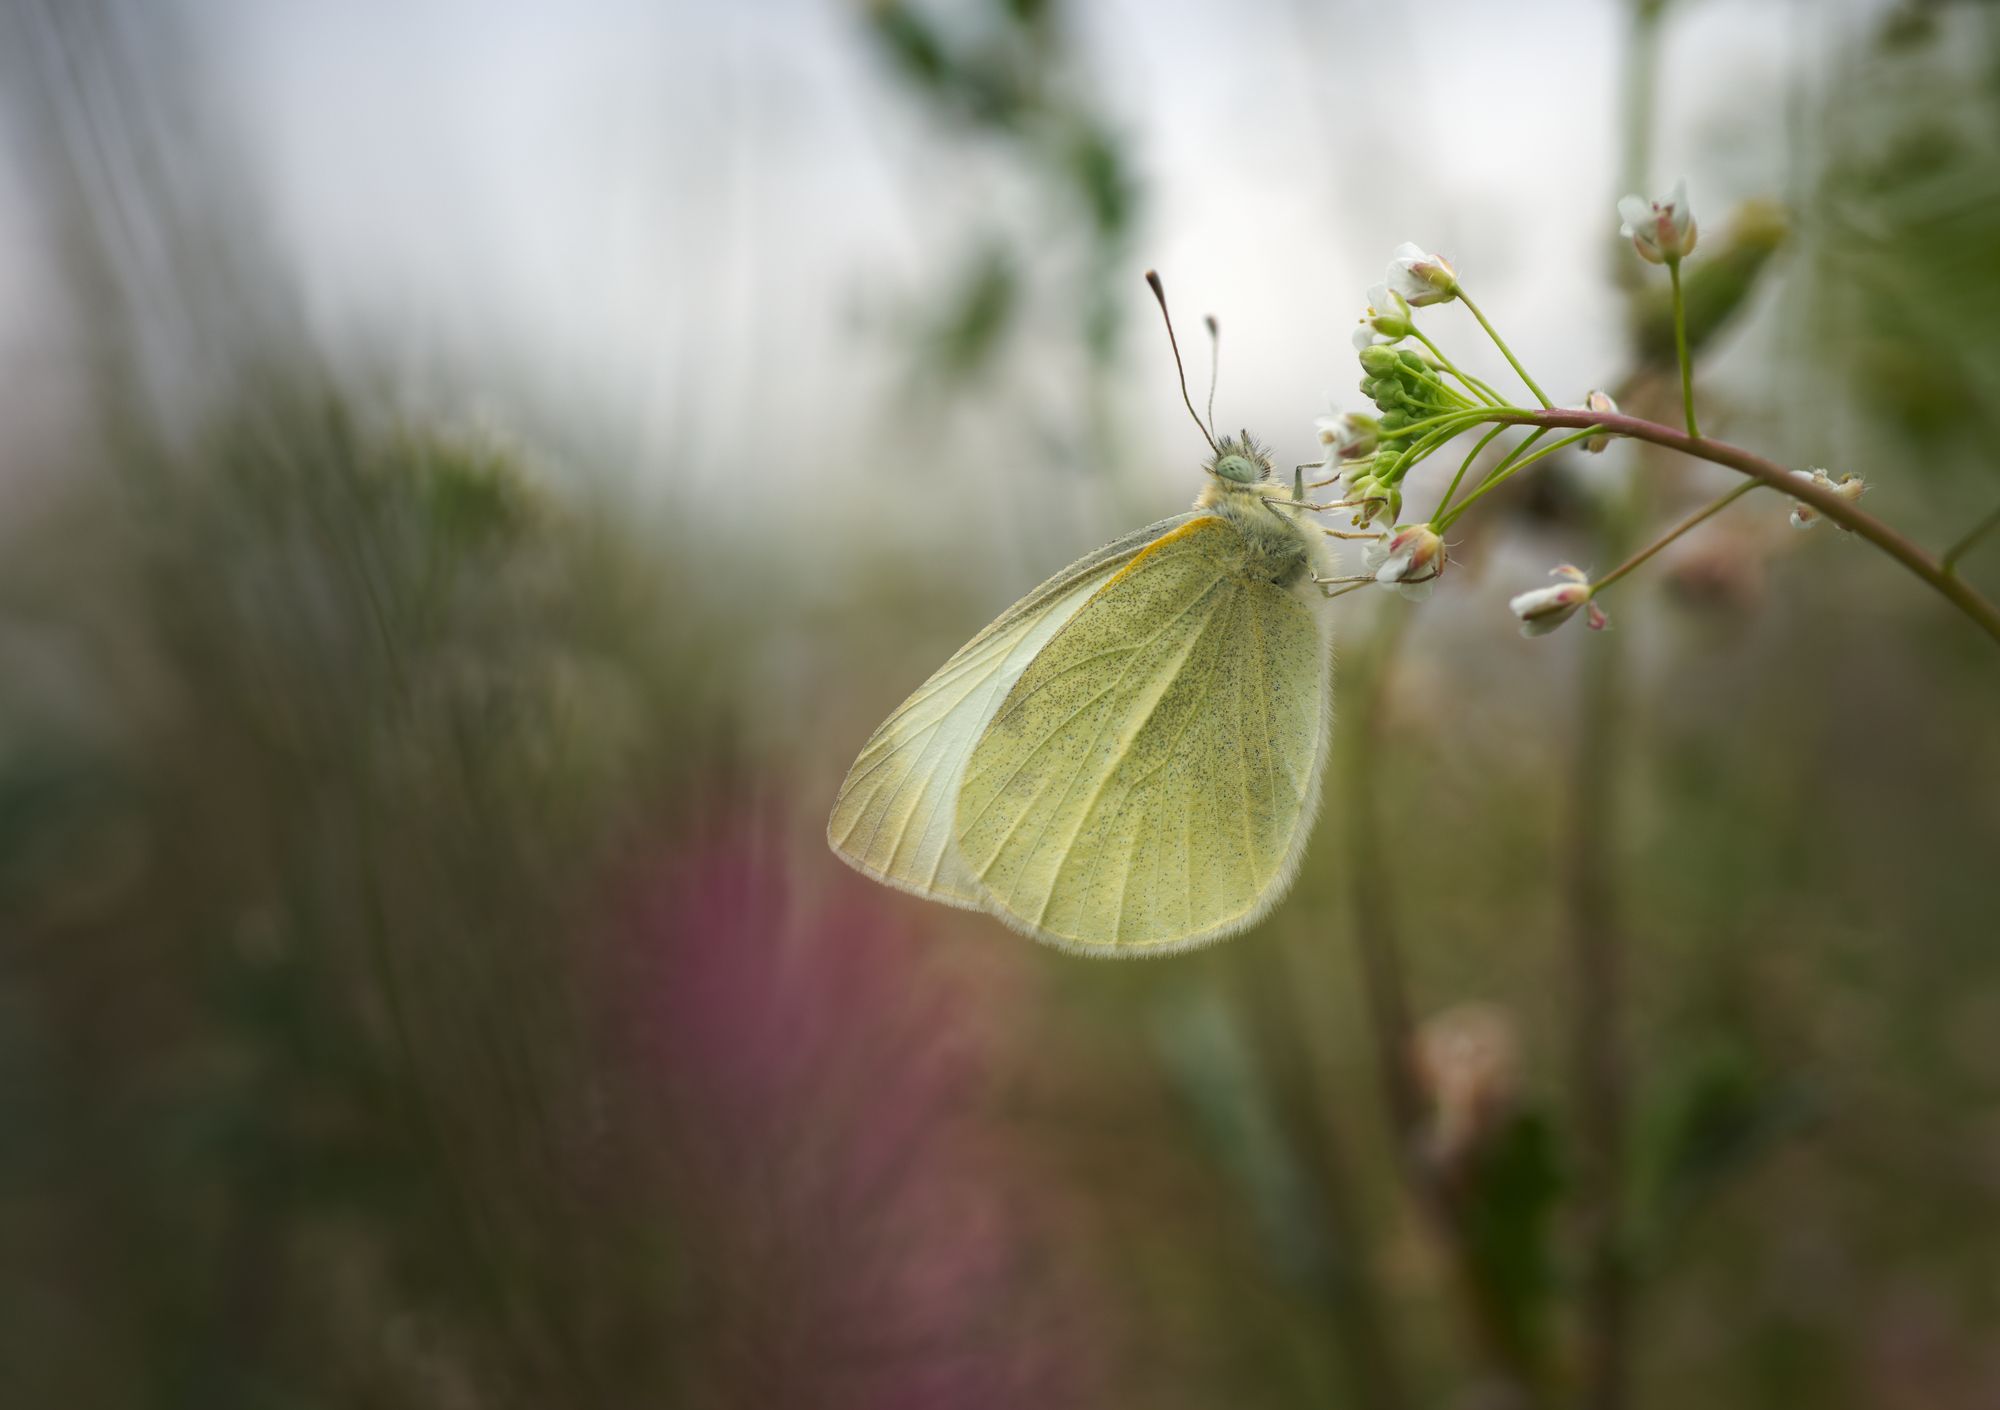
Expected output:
(1001, 70)
(1905, 276)
(302, 754)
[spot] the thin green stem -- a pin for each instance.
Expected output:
(1661, 542)
(1463, 466)
(1471, 416)
(1836, 507)
(1957, 551)
(1443, 429)
(1506, 461)
(1472, 384)
(1501, 475)
(1506, 351)
(1681, 348)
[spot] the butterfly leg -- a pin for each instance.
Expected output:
(1344, 584)
(1318, 508)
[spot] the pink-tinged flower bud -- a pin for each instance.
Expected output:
(1420, 278)
(1409, 559)
(1850, 487)
(1661, 231)
(1467, 1061)
(1544, 609)
(1603, 405)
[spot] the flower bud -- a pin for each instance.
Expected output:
(1420, 278)
(1661, 231)
(1850, 488)
(1544, 609)
(1379, 362)
(1409, 558)
(1467, 1062)
(1603, 405)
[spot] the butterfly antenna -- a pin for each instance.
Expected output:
(1160, 293)
(1214, 361)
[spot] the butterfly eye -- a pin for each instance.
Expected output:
(1237, 468)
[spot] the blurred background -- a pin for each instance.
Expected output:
(472, 475)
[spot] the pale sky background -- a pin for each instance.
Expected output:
(664, 215)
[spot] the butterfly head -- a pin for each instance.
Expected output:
(1240, 460)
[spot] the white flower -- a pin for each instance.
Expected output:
(1661, 231)
(1386, 320)
(1409, 559)
(1603, 405)
(1544, 609)
(1347, 437)
(1850, 487)
(1419, 278)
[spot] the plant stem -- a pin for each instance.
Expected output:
(1463, 466)
(1838, 508)
(1957, 551)
(1501, 343)
(1597, 1054)
(1448, 429)
(1661, 542)
(1352, 1298)
(1681, 349)
(1472, 384)
(1507, 461)
(1506, 471)
(1389, 1014)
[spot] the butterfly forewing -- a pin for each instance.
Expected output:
(893, 816)
(1149, 778)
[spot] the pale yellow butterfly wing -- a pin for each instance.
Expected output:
(1151, 778)
(893, 816)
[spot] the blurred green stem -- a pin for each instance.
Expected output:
(1836, 507)
(1389, 1013)
(1597, 1057)
(1957, 551)
(1681, 349)
(1351, 1294)
(1700, 516)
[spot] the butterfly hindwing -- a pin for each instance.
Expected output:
(1149, 780)
(893, 816)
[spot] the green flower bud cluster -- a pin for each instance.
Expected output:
(1404, 386)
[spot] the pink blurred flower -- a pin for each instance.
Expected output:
(853, 1235)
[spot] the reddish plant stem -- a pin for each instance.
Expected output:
(1838, 508)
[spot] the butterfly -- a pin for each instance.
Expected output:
(1128, 760)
